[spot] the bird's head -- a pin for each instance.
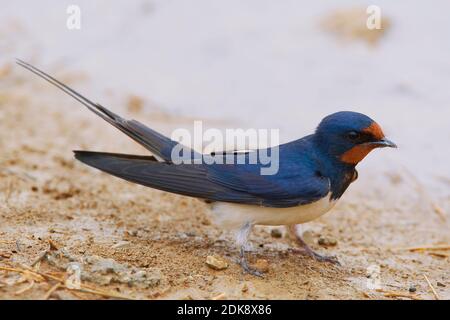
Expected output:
(350, 136)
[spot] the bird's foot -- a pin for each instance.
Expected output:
(249, 270)
(306, 250)
(316, 256)
(323, 258)
(246, 267)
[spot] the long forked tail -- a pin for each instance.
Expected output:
(158, 144)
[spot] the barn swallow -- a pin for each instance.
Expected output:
(313, 173)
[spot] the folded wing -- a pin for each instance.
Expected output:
(186, 179)
(196, 180)
(239, 183)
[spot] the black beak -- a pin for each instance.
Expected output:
(383, 143)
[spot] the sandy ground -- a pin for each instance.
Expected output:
(133, 242)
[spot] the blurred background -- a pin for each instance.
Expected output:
(264, 64)
(234, 64)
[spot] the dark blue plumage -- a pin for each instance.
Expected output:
(313, 169)
(309, 168)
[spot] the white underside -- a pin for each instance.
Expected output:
(231, 215)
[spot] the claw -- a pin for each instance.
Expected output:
(306, 250)
(251, 271)
(242, 237)
(316, 256)
(245, 266)
(323, 258)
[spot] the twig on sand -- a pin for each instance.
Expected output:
(439, 211)
(41, 276)
(27, 273)
(425, 248)
(439, 254)
(50, 292)
(436, 296)
(53, 245)
(40, 257)
(397, 294)
(25, 289)
(79, 295)
(220, 296)
(21, 175)
(43, 255)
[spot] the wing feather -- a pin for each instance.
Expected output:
(155, 142)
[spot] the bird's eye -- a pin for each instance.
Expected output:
(353, 135)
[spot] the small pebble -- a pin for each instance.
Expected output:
(327, 241)
(412, 289)
(276, 233)
(440, 284)
(216, 263)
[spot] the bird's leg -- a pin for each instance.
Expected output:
(241, 239)
(305, 249)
